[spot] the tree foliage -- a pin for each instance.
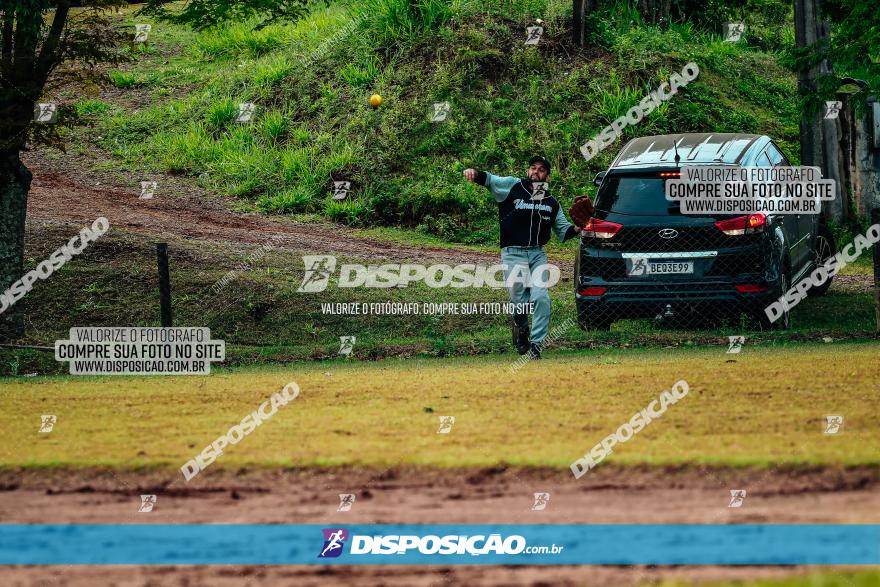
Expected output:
(36, 38)
(203, 14)
(853, 50)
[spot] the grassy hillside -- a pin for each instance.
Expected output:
(171, 110)
(176, 103)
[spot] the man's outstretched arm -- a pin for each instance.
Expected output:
(499, 186)
(563, 228)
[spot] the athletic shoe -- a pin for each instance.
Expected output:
(535, 351)
(521, 337)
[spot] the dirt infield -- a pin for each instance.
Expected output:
(608, 495)
(402, 576)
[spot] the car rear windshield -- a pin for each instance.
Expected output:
(641, 195)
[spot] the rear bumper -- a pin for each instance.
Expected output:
(710, 289)
(678, 298)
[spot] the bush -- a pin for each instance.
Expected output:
(393, 22)
(221, 113)
(124, 79)
(240, 40)
(350, 212)
(90, 107)
(290, 201)
(360, 76)
(275, 127)
(271, 71)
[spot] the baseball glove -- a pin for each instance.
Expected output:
(581, 211)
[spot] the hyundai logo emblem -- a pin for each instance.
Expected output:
(668, 233)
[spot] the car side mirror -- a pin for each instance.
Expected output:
(599, 177)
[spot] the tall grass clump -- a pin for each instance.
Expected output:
(240, 39)
(394, 22)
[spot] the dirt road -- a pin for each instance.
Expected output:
(64, 193)
(412, 495)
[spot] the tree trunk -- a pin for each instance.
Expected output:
(655, 11)
(15, 182)
(820, 145)
(582, 11)
(577, 22)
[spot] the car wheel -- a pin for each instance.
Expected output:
(825, 249)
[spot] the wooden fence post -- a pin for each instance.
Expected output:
(164, 284)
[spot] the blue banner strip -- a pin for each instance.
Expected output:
(448, 544)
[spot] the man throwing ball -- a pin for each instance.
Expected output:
(526, 214)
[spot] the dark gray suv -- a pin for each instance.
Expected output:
(706, 266)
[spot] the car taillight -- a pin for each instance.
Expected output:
(593, 291)
(742, 224)
(750, 288)
(600, 228)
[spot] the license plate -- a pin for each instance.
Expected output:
(666, 267)
(642, 266)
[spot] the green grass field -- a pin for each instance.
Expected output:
(763, 407)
